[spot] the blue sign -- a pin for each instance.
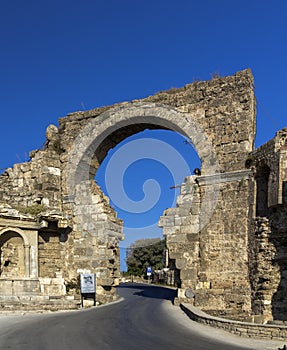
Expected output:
(148, 270)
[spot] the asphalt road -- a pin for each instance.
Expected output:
(143, 319)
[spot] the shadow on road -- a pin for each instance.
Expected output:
(150, 291)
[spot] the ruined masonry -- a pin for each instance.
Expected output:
(226, 237)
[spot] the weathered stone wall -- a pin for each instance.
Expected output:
(241, 253)
(51, 259)
(214, 261)
(33, 189)
(268, 256)
(264, 274)
(224, 242)
(34, 182)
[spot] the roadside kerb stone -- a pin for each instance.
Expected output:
(244, 329)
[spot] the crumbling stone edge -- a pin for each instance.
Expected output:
(244, 329)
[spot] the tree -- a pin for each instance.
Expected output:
(143, 253)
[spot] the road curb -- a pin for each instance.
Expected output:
(244, 329)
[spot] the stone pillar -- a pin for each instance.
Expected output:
(27, 260)
(33, 262)
(33, 253)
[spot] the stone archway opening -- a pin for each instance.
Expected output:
(98, 230)
(143, 166)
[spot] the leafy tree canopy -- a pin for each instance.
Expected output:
(143, 253)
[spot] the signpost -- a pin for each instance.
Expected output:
(148, 273)
(88, 287)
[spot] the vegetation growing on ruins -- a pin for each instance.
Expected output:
(73, 285)
(34, 209)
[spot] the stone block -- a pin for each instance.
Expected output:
(190, 274)
(192, 237)
(178, 238)
(180, 263)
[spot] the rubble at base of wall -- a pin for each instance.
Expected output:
(244, 329)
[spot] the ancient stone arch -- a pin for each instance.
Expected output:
(20, 232)
(221, 127)
(120, 122)
(91, 143)
(212, 234)
(12, 259)
(15, 246)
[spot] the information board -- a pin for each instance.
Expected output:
(87, 283)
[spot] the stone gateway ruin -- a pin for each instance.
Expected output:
(226, 238)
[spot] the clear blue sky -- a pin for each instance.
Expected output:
(62, 56)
